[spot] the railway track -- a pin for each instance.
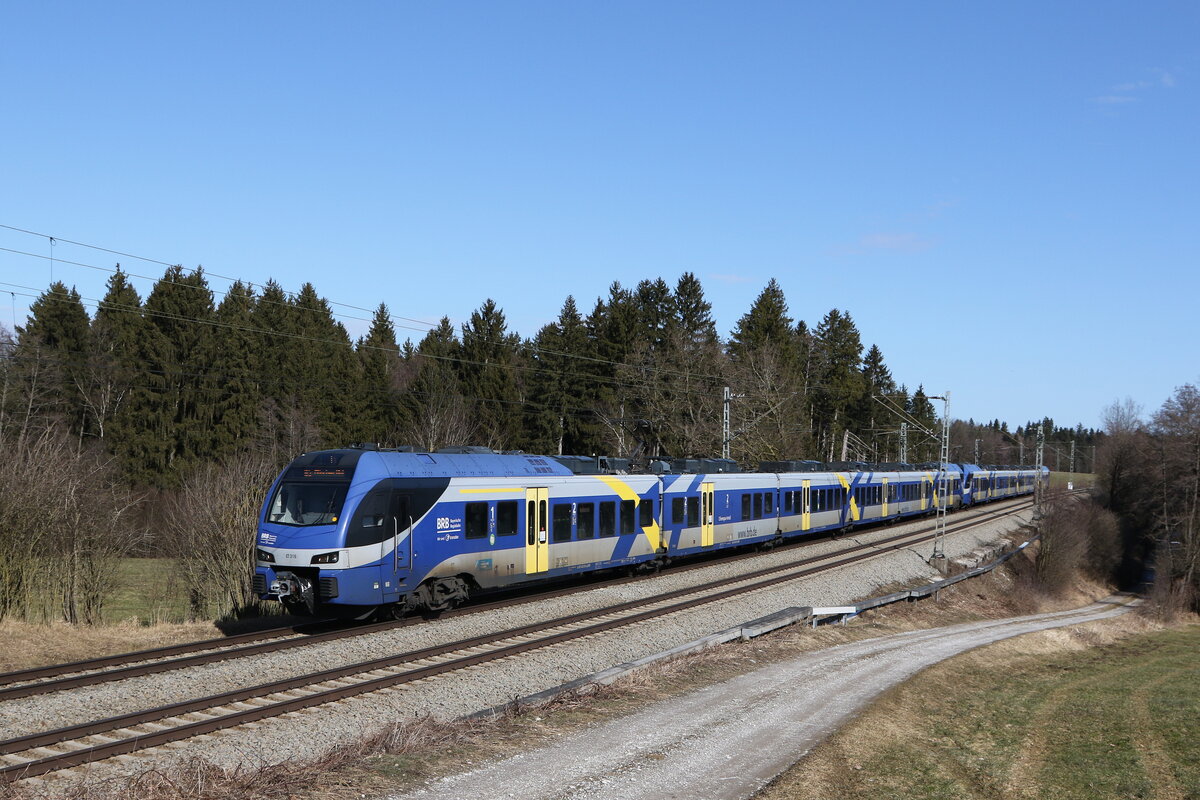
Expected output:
(50, 751)
(62, 677)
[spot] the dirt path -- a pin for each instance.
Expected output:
(730, 739)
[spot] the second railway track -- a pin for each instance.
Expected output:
(48, 751)
(61, 677)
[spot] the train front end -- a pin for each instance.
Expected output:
(302, 556)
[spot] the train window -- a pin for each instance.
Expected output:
(608, 518)
(627, 516)
(585, 524)
(758, 506)
(646, 512)
(693, 511)
(531, 523)
(477, 520)
(769, 503)
(562, 522)
(506, 517)
(745, 506)
(787, 501)
(677, 511)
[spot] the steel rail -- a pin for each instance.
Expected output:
(213, 650)
(141, 741)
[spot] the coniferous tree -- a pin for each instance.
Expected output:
(679, 383)
(380, 358)
(656, 311)
(613, 327)
(921, 409)
(286, 428)
(113, 368)
(766, 374)
(840, 379)
(51, 355)
(173, 414)
(488, 353)
(561, 388)
(329, 375)
(435, 412)
(870, 417)
(765, 325)
(236, 360)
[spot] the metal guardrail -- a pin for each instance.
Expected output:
(843, 613)
(746, 631)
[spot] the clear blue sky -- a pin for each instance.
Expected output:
(1004, 196)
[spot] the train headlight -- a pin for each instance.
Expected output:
(325, 558)
(263, 555)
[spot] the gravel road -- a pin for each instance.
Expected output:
(729, 740)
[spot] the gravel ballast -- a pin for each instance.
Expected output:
(305, 734)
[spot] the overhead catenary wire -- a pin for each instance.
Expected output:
(301, 337)
(94, 302)
(518, 345)
(426, 327)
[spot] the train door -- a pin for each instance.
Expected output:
(884, 494)
(707, 510)
(400, 526)
(805, 507)
(537, 541)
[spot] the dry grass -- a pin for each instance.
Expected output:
(24, 645)
(990, 723)
(419, 750)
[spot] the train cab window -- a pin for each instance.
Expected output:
(476, 520)
(758, 506)
(561, 531)
(627, 516)
(585, 524)
(769, 503)
(693, 512)
(608, 518)
(745, 506)
(677, 511)
(506, 518)
(646, 513)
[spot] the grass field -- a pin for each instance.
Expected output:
(1117, 720)
(1079, 480)
(146, 592)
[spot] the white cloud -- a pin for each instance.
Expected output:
(1114, 99)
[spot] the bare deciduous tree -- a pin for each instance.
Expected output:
(211, 521)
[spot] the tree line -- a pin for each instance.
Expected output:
(150, 403)
(1148, 473)
(174, 381)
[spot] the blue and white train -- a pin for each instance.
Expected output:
(360, 531)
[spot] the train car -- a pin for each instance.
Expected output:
(346, 532)
(356, 531)
(982, 484)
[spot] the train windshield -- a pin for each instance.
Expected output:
(307, 503)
